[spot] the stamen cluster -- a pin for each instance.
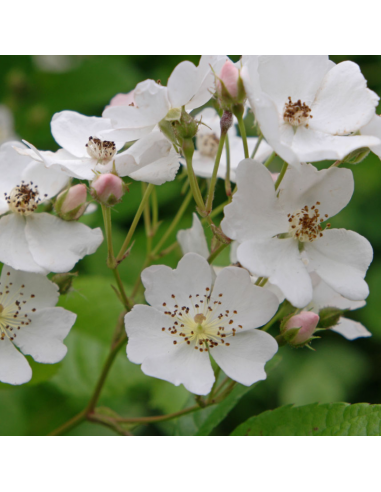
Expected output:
(23, 199)
(305, 224)
(297, 114)
(103, 151)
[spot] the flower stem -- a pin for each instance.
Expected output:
(216, 253)
(260, 138)
(122, 291)
(270, 159)
(188, 150)
(106, 211)
(162, 418)
(228, 185)
(134, 224)
(155, 210)
(147, 221)
(281, 175)
(71, 424)
(242, 129)
(209, 203)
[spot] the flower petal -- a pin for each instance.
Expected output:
(351, 330)
(182, 84)
(279, 260)
(341, 258)
(343, 104)
(244, 360)
(49, 181)
(192, 277)
(159, 172)
(14, 368)
(57, 245)
(255, 211)
(14, 247)
(332, 188)
(374, 129)
(249, 305)
(193, 240)
(324, 297)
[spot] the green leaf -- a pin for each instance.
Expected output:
(335, 419)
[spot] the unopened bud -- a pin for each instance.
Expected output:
(329, 317)
(229, 86)
(299, 329)
(71, 203)
(357, 156)
(108, 189)
(64, 281)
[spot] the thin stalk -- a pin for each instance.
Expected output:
(216, 253)
(276, 318)
(336, 164)
(163, 418)
(106, 212)
(242, 129)
(110, 423)
(281, 175)
(260, 138)
(147, 221)
(71, 424)
(155, 209)
(168, 250)
(188, 150)
(216, 375)
(259, 281)
(227, 392)
(270, 159)
(122, 291)
(213, 181)
(228, 185)
(134, 224)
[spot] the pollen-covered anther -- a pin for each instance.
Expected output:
(102, 151)
(297, 114)
(199, 319)
(305, 224)
(23, 199)
(207, 144)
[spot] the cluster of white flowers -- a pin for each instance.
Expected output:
(285, 258)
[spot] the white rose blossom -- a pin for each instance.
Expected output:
(307, 107)
(29, 321)
(207, 141)
(86, 150)
(37, 242)
(191, 317)
(188, 86)
(325, 297)
(281, 234)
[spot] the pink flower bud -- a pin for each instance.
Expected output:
(307, 322)
(108, 189)
(229, 76)
(71, 203)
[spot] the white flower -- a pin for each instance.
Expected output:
(282, 238)
(86, 150)
(307, 107)
(188, 86)
(207, 141)
(37, 242)
(324, 297)
(191, 318)
(29, 320)
(373, 128)
(193, 240)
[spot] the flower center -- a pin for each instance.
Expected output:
(203, 324)
(23, 199)
(102, 151)
(297, 114)
(305, 224)
(207, 144)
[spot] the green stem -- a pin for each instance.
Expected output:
(277, 317)
(147, 221)
(228, 185)
(260, 138)
(336, 164)
(216, 253)
(108, 422)
(281, 175)
(163, 418)
(155, 210)
(123, 294)
(188, 150)
(213, 181)
(71, 424)
(106, 211)
(270, 159)
(134, 224)
(242, 129)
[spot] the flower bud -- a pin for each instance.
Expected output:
(64, 281)
(229, 87)
(71, 203)
(357, 156)
(299, 329)
(329, 317)
(108, 189)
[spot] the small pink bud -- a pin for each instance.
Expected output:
(108, 189)
(229, 76)
(307, 322)
(71, 203)
(122, 100)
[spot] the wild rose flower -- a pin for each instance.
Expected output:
(29, 321)
(191, 317)
(282, 238)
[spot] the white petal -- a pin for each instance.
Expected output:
(332, 188)
(279, 260)
(193, 240)
(72, 131)
(255, 211)
(38, 291)
(324, 297)
(254, 305)
(159, 172)
(192, 277)
(49, 181)
(57, 245)
(374, 128)
(202, 165)
(14, 247)
(182, 84)
(14, 368)
(343, 104)
(295, 76)
(43, 337)
(351, 330)
(311, 145)
(342, 258)
(244, 360)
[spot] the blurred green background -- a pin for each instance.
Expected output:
(33, 89)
